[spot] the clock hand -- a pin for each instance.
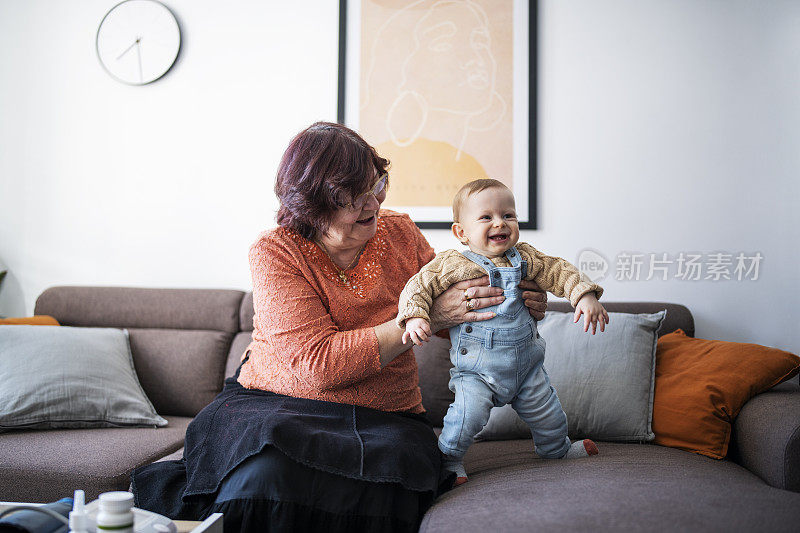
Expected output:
(126, 50)
(139, 55)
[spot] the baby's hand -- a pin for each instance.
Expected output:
(593, 312)
(418, 330)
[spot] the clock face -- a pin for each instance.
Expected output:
(138, 41)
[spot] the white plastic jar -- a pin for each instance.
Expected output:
(116, 512)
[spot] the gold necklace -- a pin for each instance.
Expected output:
(342, 275)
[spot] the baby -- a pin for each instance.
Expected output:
(498, 361)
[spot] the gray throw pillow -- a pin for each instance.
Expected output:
(605, 381)
(65, 377)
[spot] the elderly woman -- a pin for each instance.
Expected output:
(323, 427)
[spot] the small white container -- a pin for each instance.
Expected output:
(116, 512)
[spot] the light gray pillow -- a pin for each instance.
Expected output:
(65, 377)
(605, 381)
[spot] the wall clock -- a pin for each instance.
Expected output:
(138, 41)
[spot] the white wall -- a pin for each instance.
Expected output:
(665, 127)
(163, 185)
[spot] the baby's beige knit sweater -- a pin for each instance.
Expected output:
(553, 274)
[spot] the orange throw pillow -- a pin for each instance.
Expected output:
(36, 320)
(702, 384)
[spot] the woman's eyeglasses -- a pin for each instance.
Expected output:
(378, 188)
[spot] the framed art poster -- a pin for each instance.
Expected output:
(446, 90)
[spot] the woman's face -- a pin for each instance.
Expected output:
(353, 227)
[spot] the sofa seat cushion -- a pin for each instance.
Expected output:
(177, 455)
(628, 487)
(43, 466)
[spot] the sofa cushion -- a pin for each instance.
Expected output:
(43, 466)
(37, 320)
(628, 487)
(238, 347)
(246, 313)
(177, 455)
(67, 377)
(181, 371)
(604, 381)
(702, 384)
(174, 332)
(434, 362)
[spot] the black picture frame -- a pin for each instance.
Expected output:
(531, 223)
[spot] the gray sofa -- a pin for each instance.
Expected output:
(186, 341)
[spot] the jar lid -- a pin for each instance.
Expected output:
(118, 501)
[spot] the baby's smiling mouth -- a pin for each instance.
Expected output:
(501, 237)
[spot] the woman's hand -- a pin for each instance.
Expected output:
(535, 298)
(460, 302)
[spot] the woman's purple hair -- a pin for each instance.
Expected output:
(324, 167)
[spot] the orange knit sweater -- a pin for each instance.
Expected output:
(313, 335)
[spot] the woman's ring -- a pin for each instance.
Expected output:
(470, 305)
(466, 296)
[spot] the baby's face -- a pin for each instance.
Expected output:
(488, 222)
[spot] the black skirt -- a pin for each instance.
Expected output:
(276, 463)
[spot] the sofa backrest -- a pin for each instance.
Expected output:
(186, 341)
(180, 338)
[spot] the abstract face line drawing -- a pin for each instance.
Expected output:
(451, 56)
(435, 89)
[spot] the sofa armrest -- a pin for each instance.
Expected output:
(766, 436)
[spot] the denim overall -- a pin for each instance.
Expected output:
(499, 361)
